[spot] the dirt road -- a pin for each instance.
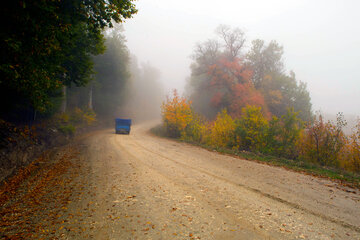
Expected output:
(139, 186)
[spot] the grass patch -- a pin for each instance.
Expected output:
(344, 177)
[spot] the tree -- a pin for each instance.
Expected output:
(219, 78)
(264, 59)
(206, 54)
(113, 76)
(290, 128)
(353, 156)
(323, 141)
(176, 114)
(234, 40)
(282, 92)
(251, 129)
(232, 86)
(48, 44)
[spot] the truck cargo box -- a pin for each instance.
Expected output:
(122, 125)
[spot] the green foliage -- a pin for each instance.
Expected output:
(68, 129)
(289, 133)
(196, 130)
(264, 59)
(282, 92)
(251, 129)
(48, 44)
(273, 138)
(68, 122)
(112, 76)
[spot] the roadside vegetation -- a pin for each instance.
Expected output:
(244, 103)
(317, 147)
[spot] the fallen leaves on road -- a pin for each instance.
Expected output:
(35, 199)
(8, 189)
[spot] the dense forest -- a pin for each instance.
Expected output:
(48, 46)
(68, 60)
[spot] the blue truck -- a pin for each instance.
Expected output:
(122, 125)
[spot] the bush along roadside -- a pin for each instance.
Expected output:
(317, 147)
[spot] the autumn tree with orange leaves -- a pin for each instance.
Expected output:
(176, 113)
(234, 90)
(223, 75)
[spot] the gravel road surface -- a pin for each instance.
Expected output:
(139, 186)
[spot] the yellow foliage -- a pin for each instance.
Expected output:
(64, 117)
(81, 117)
(176, 114)
(222, 131)
(86, 116)
(251, 129)
(197, 130)
(350, 156)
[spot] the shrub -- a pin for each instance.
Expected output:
(322, 142)
(89, 116)
(273, 141)
(251, 129)
(289, 132)
(83, 117)
(196, 130)
(350, 157)
(222, 131)
(176, 114)
(355, 148)
(68, 130)
(63, 117)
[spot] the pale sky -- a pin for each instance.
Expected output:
(321, 40)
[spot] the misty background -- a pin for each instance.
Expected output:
(320, 40)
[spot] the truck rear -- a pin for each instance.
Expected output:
(122, 125)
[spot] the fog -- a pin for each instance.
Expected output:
(144, 92)
(320, 39)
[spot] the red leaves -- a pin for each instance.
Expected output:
(216, 99)
(231, 81)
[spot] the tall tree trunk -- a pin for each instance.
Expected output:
(64, 102)
(90, 104)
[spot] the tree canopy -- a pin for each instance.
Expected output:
(224, 75)
(48, 44)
